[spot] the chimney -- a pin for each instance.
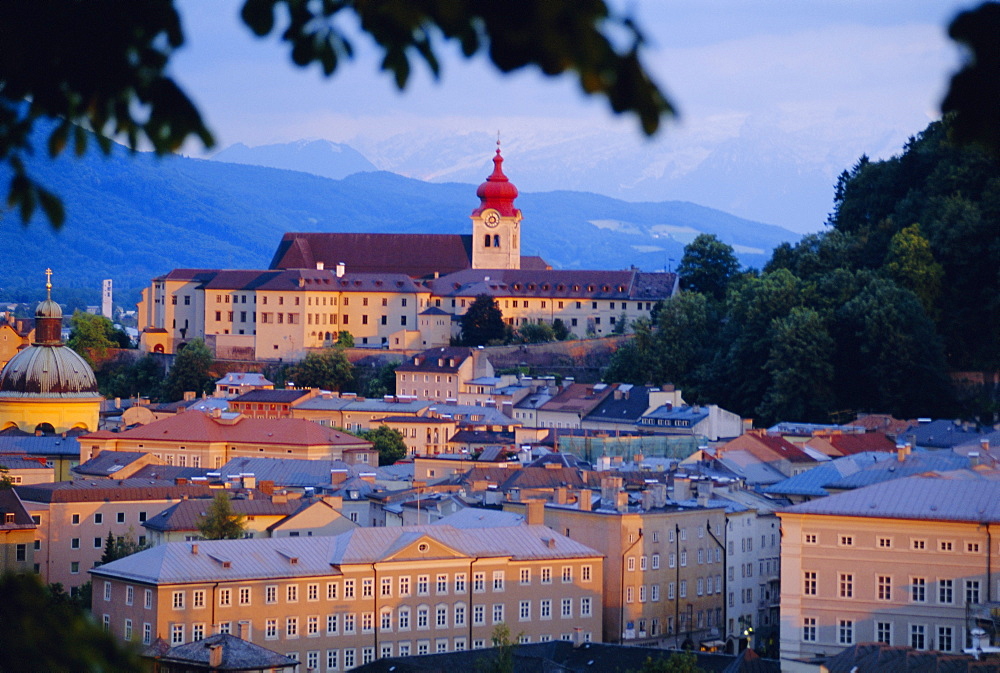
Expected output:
(621, 502)
(249, 480)
(610, 486)
(190, 395)
(902, 451)
(215, 655)
(194, 548)
(534, 512)
(577, 637)
(648, 500)
(368, 477)
(338, 476)
(682, 488)
(180, 481)
(583, 502)
(266, 486)
(659, 492)
(341, 267)
(560, 496)
(638, 458)
(320, 266)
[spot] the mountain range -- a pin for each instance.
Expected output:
(133, 216)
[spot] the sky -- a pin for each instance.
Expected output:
(776, 97)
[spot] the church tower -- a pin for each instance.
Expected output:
(496, 223)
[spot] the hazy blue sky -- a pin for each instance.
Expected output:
(820, 81)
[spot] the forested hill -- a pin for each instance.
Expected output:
(133, 217)
(872, 314)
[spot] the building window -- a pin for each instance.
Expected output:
(498, 580)
(422, 613)
(971, 592)
(884, 588)
(291, 627)
(885, 543)
(404, 586)
(846, 585)
(945, 640)
(404, 619)
(367, 587)
(177, 634)
(918, 544)
(312, 592)
(546, 575)
(809, 629)
(312, 625)
(225, 598)
(567, 574)
(459, 614)
(178, 600)
(441, 617)
(271, 594)
(567, 608)
(478, 615)
(292, 593)
(498, 613)
(656, 561)
(918, 589)
(809, 583)
(946, 591)
(845, 632)
(331, 624)
(918, 636)
(423, 583)
(810, 538)
(441, 584)
(545, 609)
(883, 632)
(846, 540)
(147, 633)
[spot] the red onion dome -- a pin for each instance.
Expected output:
(498, 192)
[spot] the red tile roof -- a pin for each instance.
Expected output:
(194, 426)
(851, 443)
(416, 255)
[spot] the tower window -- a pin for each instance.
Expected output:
(496, 240)
(487, 240)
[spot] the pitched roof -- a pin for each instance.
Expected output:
(236, 655)
(197, 427)
(288, 472)
(440, 360)
(882, 658)
(626, 405)
(416, 255)
(43, 445)
(185, 515)
(228, 560)
(10, 503)
(110, 490)
(922, 498)
(272, 396)
(106, 463)
(579, 398)
(845, 444)
(567, 283)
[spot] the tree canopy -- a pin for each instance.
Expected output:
(868, 315)
(220, 521)
(708, 265)
(483, 322)
(388, 442)
(51, 70)
(92, 336)
(328, 369)
(191, 371)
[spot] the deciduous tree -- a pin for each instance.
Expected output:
(328, 369)
(92, 336)
(220, 522)
(483, 322)
(191, 371)
(388, 442)
(707, 266)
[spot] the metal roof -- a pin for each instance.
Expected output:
(924, 498)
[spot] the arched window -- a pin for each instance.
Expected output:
(45, 429)
(158, 348)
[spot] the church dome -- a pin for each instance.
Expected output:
(48, 371)
(47, 368)
(498, 192)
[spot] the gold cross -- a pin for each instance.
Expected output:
(48, 282)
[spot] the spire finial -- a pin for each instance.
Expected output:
(498, 141)
(48, 283)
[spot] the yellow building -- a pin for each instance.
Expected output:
(48, 387)
(398, 291)
(338, 602)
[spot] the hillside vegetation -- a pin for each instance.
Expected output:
(872, 314)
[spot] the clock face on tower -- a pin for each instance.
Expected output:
(491, 218)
